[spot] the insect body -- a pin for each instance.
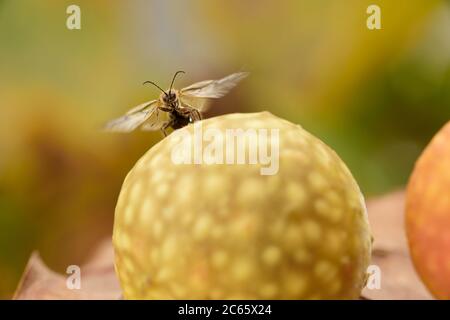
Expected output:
(175, 108)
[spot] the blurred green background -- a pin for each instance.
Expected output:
(376, 97)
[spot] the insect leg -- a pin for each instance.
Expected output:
(166, 109)
(166, 125)
(163, 130)
(193, 113)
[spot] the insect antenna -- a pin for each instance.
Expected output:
(174, 76)
(155, 86)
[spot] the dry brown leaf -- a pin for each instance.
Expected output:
(398, 277)
(98, 279)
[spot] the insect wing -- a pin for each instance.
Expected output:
(156, 121)
(213, 88)
(141, 107)
(201, 104)
(133, 118)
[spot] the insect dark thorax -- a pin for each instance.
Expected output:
(178, 116)
(180, 120)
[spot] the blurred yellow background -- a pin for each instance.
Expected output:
(375, 96)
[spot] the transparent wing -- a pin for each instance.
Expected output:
(133, 118)
(158, 120)
(213, 88)
(141, 107)
(201, 104)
